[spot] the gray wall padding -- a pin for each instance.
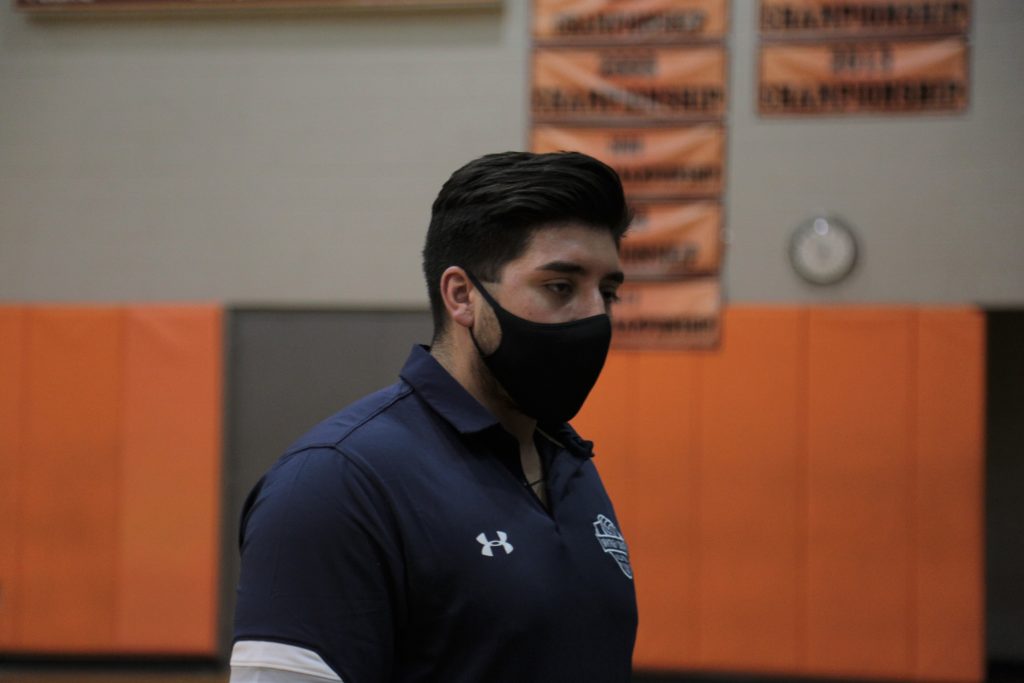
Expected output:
(1004, 453)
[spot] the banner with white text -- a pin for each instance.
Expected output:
(639, 83)
(678, 314)
(70, 6)
(785, 19)
(864, 77)
(672, 240)
(567, 22)
(681, 161)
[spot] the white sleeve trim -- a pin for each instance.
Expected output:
(262, 654)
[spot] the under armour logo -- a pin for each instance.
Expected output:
(489, 546)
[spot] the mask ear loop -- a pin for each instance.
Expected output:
(490, 300)
(483, 291)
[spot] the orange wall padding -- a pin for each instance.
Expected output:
(807, 499)
(12, 353)
(110, 473)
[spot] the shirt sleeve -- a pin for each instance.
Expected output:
(257, 661)
(321, 565)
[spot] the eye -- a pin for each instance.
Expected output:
(559, 287)
(611, 296)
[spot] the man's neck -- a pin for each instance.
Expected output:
(460, 364)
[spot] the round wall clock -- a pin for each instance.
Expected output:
(823, 250)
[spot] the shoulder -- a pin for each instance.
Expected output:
(309, 491)
(350, 454)
(366, 433)
(340, 427)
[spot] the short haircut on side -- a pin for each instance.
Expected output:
(487, 211)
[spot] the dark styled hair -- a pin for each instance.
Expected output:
(486, 213)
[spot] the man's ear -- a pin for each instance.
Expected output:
(455, 289)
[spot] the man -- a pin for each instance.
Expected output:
(452, 527)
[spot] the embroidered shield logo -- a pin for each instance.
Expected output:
(613, 543)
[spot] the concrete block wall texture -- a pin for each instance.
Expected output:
(293, 159)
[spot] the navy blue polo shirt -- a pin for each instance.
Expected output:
(399, 541)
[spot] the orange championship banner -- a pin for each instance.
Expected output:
(628, 21)
(678, 314)
(847, 18)
(863, 76)
(673, 239)
(69, 6)
(684, 161)
(663, 83)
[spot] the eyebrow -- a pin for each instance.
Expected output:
(575, 269)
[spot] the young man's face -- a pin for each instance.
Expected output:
(567, 272)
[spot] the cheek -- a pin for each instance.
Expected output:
(543, 309)
(531, 301)
(487, 331)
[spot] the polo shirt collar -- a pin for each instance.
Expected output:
(450, 400)
(444, 393)
(564, 435)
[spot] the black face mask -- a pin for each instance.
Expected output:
(546, 368)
